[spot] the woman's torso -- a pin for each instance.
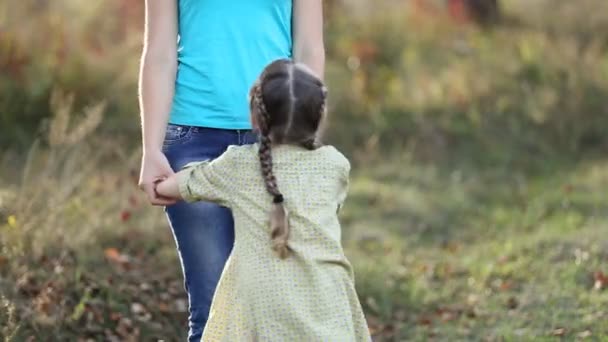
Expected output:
(223, 46)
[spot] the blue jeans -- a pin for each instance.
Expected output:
(203, 232)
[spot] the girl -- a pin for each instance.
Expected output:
(287, 278)
(199, 59)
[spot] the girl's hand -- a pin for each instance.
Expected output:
(168, 188)
(154, 166)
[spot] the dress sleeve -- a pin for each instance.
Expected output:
(210, 180)
(344, 182)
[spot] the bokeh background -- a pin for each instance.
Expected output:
(478, 134)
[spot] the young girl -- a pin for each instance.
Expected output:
(287, 278)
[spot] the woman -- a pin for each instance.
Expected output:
(200, 58)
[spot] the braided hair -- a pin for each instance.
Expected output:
(287, 105)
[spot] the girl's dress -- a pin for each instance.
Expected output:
(310, 296)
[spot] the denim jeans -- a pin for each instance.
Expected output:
(203, 232)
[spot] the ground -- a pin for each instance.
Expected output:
(442, 251)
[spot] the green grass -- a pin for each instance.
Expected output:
(493, 254)
(478, 208)
(446, 251)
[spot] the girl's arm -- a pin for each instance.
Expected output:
(211, 181)
(308, 44)
(169, 188)
(156, 88)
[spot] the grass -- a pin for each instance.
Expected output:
(444, 251)
(477, 210)
(494, 254)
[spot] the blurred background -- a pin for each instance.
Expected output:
(478, 133)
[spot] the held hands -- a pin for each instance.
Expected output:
(154, 168)
(168, 188)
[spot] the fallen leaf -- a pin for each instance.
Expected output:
(504, 259)
(601, 280)
(85, 339)
(113, 255)
(140, 312)
(374, 330)
(389, 330)
(512, 303)
(45, 300)
(424, 320)
(584, 334)
(472, 299)
(559, 332)
(144, 317)
(163, 307)
(175, 288)
(58, 269)
(137, 308)
(181, 305)
(125, 215)
(27, 285)
(374, 325)
(125, 328)
(110, 336)
(450, 246)
(45, 320)
(506, 285)
(448, 316)
(471, 313)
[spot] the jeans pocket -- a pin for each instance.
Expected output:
(176, 134)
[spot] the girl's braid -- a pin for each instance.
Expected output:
(279, 217)
(313, 143)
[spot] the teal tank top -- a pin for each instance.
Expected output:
(223, 45)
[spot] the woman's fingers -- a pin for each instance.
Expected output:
(148, 188)
(155, 167)
(161, 201)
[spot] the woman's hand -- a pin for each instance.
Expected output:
(154, 166)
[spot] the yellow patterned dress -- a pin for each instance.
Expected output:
(310, 296)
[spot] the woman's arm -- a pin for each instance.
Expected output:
(156, 88)
(308, 44)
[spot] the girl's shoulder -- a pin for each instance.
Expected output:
(241, 152)
(327, 155)
(335, 157)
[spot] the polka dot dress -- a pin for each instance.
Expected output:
(310, 296)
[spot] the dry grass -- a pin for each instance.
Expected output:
(458, 252)
(477, 210)
(76, 240)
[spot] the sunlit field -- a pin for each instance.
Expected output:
(477, 210)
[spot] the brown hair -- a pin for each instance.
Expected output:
(288, 104)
